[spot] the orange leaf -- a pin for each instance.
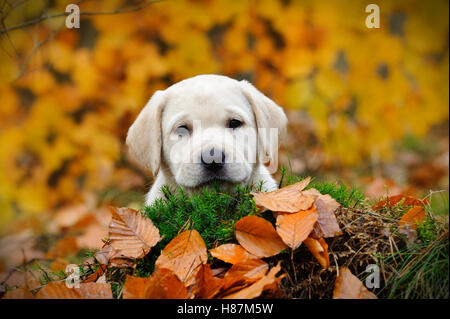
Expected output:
(327, 225)
(252, 268)
(131, 234)
(64, 247)
(162, 284)
(231, 253)
(97, 274)
(412, 217)
(295, 228)
(59, 290)
(348, 286)
(207, 286)
(319, 249)
(394, 200)
(255, 290)
(258, 236)
(18, 293)
(183, 255)
(288, 199)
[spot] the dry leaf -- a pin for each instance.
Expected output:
(18, 293)
(162, 284)
(96, 275)
(64, 247)
(319, 249)
(412, 217)
(348, 286)
(59, 290)
(404, 199)
(231, 253)
(206, 285)
(131, 234)
(258, 287)
(92, 236)
(106, 256)
(183, 255)
(251, 268)
(327, 225)
(288, 199)
(295, 228)
(258, 236)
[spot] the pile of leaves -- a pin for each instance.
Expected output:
(294, 242)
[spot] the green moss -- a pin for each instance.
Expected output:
(212, 213)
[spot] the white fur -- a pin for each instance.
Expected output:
(210, 102)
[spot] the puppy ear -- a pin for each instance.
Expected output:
(270, 120)
(144, 136)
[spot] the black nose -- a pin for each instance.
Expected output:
(213, 159)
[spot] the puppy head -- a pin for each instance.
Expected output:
(206, 128)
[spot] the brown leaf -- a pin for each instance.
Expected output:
(64, 247)
(258, 236)
(251, 268)
(255, 290)
(131, 234)
(319, 249)
(107, 256)
(403, 199)
(18, 293)
(206, 285)
(348, 286)
(327, 225)
(96, 275)
(295, 228)
(183, 255)
(412, 217)
(231, 253)
(162, 284)
(59, 290)
(288, 199)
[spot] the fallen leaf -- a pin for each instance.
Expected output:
(412, 217)
(403, 199)
(348, 286)
(107, 256)
(319, 249)
(288, 199)
(18, 293)
(131, 234)
(183, 255)
(295, 228)
(258, 236)
(251, 268)
(206, 285)
(68, 216)
(96, 275)
(162, 284)
(59, 290)
(231, 253)
(327, 224)
(258, 287)
(64, 247)
(92, 236)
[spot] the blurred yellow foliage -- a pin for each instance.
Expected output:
(68, 96)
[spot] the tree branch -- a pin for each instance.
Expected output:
(82, 13)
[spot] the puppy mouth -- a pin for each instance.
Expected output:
(212, 179)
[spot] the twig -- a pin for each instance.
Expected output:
(82, 13)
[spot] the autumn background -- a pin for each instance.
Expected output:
(367, 107)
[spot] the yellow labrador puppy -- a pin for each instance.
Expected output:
(205, 128)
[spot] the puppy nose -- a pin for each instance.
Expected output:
(213, 159)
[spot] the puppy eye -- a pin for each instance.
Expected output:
(182, 131)
(234, 123)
